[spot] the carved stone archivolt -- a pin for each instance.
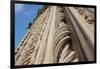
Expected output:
(62, 39)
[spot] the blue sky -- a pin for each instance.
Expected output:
(24, 13)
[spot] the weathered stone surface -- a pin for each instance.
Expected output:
(49, 39)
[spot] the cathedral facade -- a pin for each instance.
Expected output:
(60, 34)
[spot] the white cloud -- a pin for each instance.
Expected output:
(18, 7)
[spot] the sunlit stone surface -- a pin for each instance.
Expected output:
(59, 35)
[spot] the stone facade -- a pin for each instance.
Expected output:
(53, 38)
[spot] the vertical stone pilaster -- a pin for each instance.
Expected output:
(49, 57)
